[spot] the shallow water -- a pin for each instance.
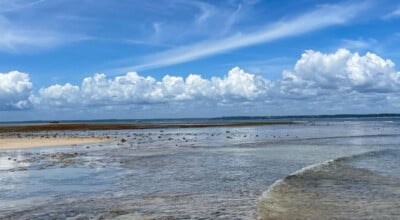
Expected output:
(202, 173)
(340, 189)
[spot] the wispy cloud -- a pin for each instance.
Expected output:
(14, 5)
(393, 14)
(15, 39)
(207, 11)
(322, 17)
(31, 25)
(197, 20)
(358, 43)
(19, 34)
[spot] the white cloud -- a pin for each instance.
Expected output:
(15, 90)
(328, 15)
(132, 88)
(241, 85)
(317, 73)
(338, 82)
(59, 95)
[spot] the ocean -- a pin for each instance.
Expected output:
(343, 167)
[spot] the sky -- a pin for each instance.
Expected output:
(128, 59)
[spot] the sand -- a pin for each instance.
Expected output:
(24, 142)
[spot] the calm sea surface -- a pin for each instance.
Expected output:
(210, 173)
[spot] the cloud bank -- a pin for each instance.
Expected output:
(331, 80)
(133, 89)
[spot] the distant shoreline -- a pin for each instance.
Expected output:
(128, 126)
(207, 120)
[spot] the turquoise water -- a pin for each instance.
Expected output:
(199, 173)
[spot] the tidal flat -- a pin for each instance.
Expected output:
(218, 172)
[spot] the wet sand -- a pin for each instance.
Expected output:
(9, 143)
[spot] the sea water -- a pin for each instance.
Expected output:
(351, 171)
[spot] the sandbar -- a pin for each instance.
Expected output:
(27, 135)
(24, 143)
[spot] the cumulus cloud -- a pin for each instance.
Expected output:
(59, 95)
(334, 82)
(15, 90)
(316, 73)
(236, 86)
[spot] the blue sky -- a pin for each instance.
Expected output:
(197, 58)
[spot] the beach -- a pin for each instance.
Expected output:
(199, 110)
(238, 171)
(22, 143)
